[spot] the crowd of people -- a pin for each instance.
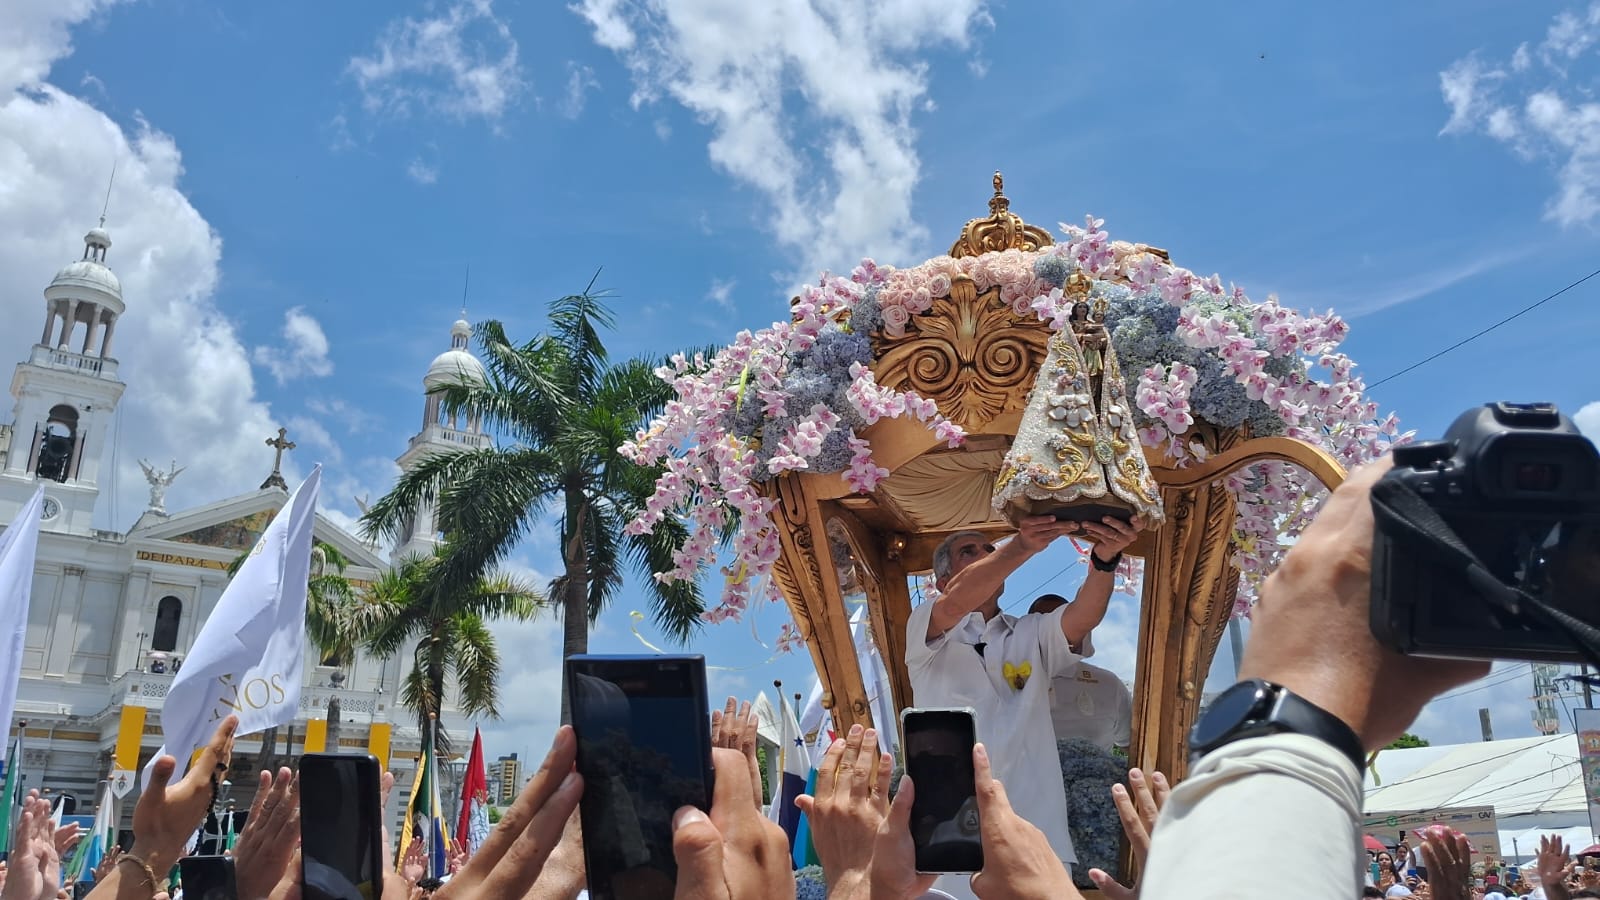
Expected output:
(1199, 838)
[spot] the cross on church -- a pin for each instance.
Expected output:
(279, 443)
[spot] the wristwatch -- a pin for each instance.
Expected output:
(1106, 565)
(1256, 707)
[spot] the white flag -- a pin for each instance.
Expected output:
(18, 546)
(248, 658)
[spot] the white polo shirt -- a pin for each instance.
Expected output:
(1013, 723)
(1092, 704)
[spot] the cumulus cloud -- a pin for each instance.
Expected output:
(461, 63)
(1545, 112)
(36, 34)
(1588, 420)
(191, 393)
(304, 352)
(810, 103)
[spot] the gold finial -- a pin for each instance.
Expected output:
(1002, 229)
(1077, 285)
(998, 203)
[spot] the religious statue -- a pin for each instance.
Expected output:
(159, 482)
(1077, 454)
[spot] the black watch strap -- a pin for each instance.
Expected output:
(1109, 565)
(1256, 707)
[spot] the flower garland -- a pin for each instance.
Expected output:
(797, 395)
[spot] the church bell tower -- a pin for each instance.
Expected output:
(64, 395)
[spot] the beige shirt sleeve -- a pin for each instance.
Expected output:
(1294, 795)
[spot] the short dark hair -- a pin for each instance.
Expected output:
(430, 884)
(1046, 599)
(1585, 892)
(1370, 891)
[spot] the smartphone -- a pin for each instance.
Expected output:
(207, 878)
(644, 751)
(944, 816)
(341, 827)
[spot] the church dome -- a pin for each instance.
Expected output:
(453, 366)
(86, 273)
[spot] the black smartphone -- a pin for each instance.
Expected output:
(341, 827)
(644, 751)
(207, 878)
(944, 816)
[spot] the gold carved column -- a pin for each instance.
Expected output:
(1190, 585)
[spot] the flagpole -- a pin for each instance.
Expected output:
(775, 789)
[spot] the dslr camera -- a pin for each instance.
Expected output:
(1520, 487)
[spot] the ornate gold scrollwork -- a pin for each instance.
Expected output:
(975, 359)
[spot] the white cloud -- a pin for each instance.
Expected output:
(191, 393)
(809, 103)
(663, 129)
(580, 81)
(304, 351)
(421, 172)
(36, 34)
(1549, 114)
(721, 292)
(460, 63)
(1588, 420)
(351, 418)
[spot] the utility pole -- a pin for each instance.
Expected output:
(1588, 691)
(1483, 722)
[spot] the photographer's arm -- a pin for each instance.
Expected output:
(1310, 634)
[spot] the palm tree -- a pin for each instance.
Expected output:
(452, 632)
(566, 410)
(329, 597)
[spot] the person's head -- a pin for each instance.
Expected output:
(1047, 603)
(1080, 311)
(1369, 892)
(1586, 892)
(1398, 890)
(956, 552)
(429, 885)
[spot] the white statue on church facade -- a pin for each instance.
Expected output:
(159, 482)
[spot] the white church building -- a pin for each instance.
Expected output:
(113, 613)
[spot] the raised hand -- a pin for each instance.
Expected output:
(1017, 860)
(734, 728)
(1034, 533)
(1111, 535)
(735, 853)
(415, 865)
(511, 860)
(894, 854)
(262, 858)
(33, 870)
(1449, 860)
(1138, 813)
(1553, 863)
(851, 802)
(167, 814)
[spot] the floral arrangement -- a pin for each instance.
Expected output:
(1088, 772)
(809, 884)
(797, 395)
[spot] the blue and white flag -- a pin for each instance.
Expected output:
(248, 658)
(19, 544)
(794, 763)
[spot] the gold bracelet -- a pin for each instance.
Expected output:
(149, 873)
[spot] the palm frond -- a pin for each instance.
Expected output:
(575, 323)
(475, 663)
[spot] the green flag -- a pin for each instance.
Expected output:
(10, 796)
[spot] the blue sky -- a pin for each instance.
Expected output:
(302, 188)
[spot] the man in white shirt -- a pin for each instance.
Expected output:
(963, 651)
(1089, 702)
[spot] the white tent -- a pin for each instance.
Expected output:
(1535, 786)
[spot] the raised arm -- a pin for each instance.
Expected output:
(1111, 536)
(979, 570)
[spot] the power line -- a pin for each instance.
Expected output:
(1506, 675)
(1463, 342)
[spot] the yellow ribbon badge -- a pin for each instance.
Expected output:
(1017, 676)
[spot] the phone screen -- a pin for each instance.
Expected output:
(207, 877)
(644, 750)
(341, 832)
(944, 816)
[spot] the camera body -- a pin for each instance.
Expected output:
(1520, 486)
